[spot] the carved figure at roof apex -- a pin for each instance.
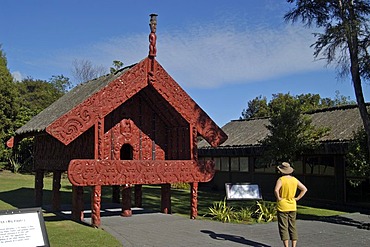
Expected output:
(152, 35)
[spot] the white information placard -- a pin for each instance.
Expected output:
(23, 228)
(242, 191)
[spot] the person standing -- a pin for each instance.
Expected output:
(285, 193)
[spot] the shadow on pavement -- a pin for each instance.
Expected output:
(341, 220)
(234, 238)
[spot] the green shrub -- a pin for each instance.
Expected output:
(221, 211)
(181, 185)
(244, 215)
(264, 211)
(15, 164)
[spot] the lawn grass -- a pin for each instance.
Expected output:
(16, 191)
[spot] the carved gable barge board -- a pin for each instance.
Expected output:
(186, 106)
(72, 124)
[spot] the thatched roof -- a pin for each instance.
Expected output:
(67, 102)
(342, 121)
(78, 110)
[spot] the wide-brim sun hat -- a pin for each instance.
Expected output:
(285, 168)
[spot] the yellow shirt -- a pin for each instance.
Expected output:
(287, 193)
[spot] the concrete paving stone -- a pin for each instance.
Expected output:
(153, 229)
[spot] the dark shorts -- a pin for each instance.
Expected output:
(286, 224)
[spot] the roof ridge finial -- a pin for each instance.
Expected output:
(153, 36)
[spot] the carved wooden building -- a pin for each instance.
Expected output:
(133, 127)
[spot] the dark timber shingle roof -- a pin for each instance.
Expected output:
(342, 121)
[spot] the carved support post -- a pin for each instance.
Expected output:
(126, 201)
(95, 205)
(39, 185)
(138, 195)
(77, 203)
(56, 190)
(194, 200)
(96, 190)
(166, 198)
(116, 194)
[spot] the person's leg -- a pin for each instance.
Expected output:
(283, 227)
(294, 243)
(292, 227)
(286, 243)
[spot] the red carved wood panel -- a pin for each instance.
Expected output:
(152, 126)
(126, 132)
(119, 172)
(184, 104)
(85, 115)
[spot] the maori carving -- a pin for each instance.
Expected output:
(118, 172)
(152, 35)
(194, 201)
(82, 117)
(183, 103)
(126, 132)
(95, 201)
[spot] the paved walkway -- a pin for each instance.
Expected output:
(146, 229)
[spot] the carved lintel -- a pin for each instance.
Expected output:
(119, 172)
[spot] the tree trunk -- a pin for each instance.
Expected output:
(352, 40)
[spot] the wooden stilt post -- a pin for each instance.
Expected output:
(95, 205)
(166, 198)
(56, 190)
(116, 194)
(77, 203)
(138, 196)
(194, 200)
(39, 186)
(126, 201)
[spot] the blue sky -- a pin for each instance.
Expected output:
(223, 53)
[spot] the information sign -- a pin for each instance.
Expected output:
(242, 191)
(23, 228)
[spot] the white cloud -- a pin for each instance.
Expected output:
(17, 76)
(212, 56)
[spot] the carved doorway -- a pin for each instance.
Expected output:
(126, 153)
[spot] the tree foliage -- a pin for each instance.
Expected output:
(8, 105)
(344, 40)
(358, 158)
(258, 107)
(291, 132)
(35, 95)
(116, 66)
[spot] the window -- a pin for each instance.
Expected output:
(224, 163)
(234, 164)
(234, 161)
(264, 167)
(298, 167)
(217, 163)
(320, 165)
(244, 164)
